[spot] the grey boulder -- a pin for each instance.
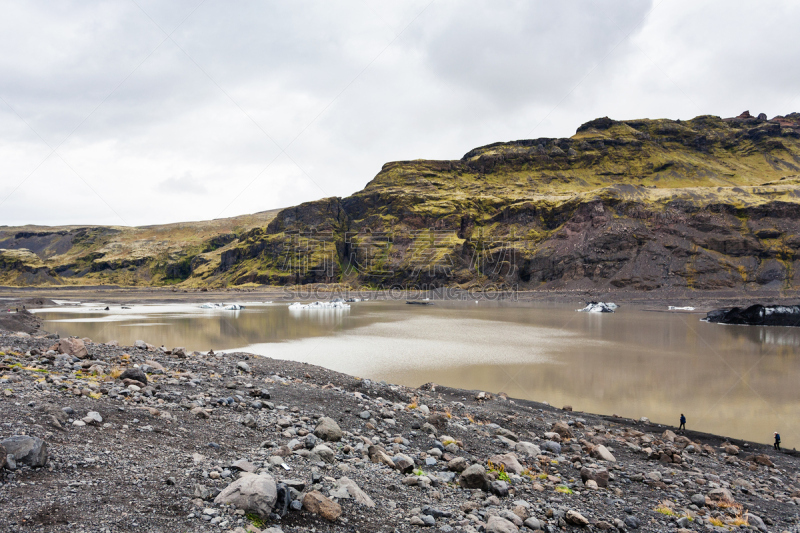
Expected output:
(528, 449)
(552, 447)
(474, 477)
(355, 491)
(324, 453)
(31, 451)
(252, 493)
(497, 524)
(403, 463)
(327, 429)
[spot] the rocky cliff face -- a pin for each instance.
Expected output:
(708, 203)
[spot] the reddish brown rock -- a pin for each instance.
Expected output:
(315, 502)
(71, 346)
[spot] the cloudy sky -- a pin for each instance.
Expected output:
(142, 112)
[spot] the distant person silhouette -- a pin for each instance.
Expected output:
(777, 444)
(683, 422)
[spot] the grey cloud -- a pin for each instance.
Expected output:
(364, 82)
(512, 53)
(185, 184)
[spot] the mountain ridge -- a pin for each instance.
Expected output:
(642, 204)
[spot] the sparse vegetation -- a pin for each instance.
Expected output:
(466, 216)
(499, 471)
(563, 489)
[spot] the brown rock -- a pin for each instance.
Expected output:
(720, 495)
(576, 519)
(509, 461)
(72, 346)
(199, 412)
(470, 506)
(438, 420)
(761, 460)
(563, 430)
(598, 476)
(378, 455)
(521, 511)
(315, 502)
(155, 364)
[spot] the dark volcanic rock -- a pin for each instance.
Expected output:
(757, 315)
(135, 374)
(31, 451)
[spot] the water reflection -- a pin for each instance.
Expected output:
(734, 380)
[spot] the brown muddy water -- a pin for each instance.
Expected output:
(739, 381)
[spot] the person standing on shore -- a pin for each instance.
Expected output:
(683, 422)
(777, 444)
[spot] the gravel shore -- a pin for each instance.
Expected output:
(144, 438)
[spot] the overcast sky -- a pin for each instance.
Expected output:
(143, 112)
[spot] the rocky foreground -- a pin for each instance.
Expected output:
(100, 437)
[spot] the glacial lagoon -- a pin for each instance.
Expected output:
(732, 380)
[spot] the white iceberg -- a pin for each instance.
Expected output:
(223, 307)
(297, 306)
(673, 308)
(598, 307)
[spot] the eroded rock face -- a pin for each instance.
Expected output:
(31, 451)
(252, 493)
(617, 213)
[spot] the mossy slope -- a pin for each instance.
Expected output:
(641, 204)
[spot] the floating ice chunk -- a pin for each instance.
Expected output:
(224, 307)
(780, 310)
(673, 308)
(297, 306)
(598, 307)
